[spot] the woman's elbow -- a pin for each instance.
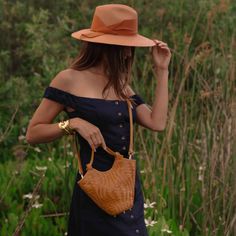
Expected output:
(28, 137)
(159, 128)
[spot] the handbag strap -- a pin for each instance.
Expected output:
(110, 151)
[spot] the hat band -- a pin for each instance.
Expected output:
(124, 27)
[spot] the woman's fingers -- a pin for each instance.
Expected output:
(103, 141)
(100, 139)
(97, 138)
(90, 132)
(160, 43)
(90, 141)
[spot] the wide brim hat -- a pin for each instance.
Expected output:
(114, 24)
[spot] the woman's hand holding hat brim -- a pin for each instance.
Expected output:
(161, 54)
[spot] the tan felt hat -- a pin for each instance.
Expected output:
(114, 24)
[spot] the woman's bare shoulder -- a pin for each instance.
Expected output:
(64, 79)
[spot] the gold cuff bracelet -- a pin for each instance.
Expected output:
(65, 126)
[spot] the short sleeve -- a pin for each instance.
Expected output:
(59, 96)
(138, 99)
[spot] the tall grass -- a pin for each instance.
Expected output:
(188, 170)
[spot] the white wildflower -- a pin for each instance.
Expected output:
(70, 153)
(41, 168)
(150, 222)
(49, 159)
(166, 230)
(37, 149)
(21, 137)
(200, 177)
(200, 173)
(149, 204)
(30, 195)
(37, 205)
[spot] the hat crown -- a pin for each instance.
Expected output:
(115, 19)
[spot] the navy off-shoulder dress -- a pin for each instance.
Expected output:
(112, 118)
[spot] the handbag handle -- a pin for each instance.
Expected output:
(108, 150)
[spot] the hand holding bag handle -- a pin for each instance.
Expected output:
(112, 190)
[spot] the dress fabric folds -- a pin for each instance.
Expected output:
(112, 118)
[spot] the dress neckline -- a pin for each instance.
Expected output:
(88, 98)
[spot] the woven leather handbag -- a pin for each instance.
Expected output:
(112, 190)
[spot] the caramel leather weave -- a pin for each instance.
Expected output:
(112, 190)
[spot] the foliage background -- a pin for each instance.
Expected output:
(188, 170)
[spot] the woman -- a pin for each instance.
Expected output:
(103, 66)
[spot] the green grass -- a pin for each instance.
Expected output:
(188, 170)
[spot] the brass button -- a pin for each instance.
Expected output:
(132, 216)
(121, 125)
(124, 148)
(123, 137)
(117, 102)
(119, 113)
(137, 231)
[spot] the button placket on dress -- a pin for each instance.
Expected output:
(121, 124)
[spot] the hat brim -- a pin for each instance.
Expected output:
(129, 40)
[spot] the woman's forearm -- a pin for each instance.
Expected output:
(43, 133)
(160, 104)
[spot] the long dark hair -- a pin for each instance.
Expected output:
(117, 67)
